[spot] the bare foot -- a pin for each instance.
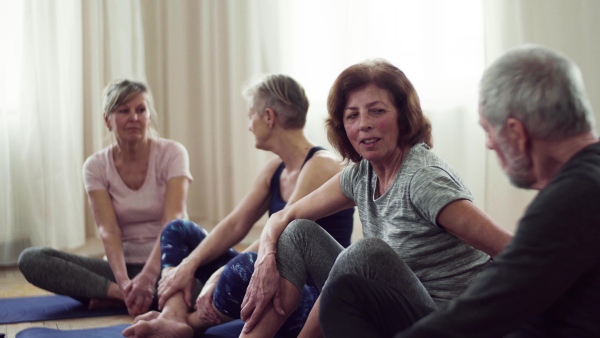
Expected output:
(103, 304)
(159, 328)
(147, 316)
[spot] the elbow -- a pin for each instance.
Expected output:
(106, 233)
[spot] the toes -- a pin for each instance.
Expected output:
(147, 316)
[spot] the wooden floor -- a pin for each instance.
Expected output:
(13, 284)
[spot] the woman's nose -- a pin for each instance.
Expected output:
(364, 122)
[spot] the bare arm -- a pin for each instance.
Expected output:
(324, 201)
(264, 284)
(230, 231)
(140, 292)
(466, 221)
(174, 208)
(110, 233)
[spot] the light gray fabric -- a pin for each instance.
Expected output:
(374, 259)
(306, 249)
(405, 217)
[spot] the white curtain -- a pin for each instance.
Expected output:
(42, 148)
(57, 55)
(200, 53)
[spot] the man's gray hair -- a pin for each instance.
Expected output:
(539, 87)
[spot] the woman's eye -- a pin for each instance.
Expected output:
(351, 116)
(123, 111)
(141, 110)
(378, 111)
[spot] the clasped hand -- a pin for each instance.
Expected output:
(139, 293)
(263, 288)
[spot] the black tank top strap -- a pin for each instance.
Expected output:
(310, 154)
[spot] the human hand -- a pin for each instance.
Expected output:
(179, 278)
(204, 304)
(139, 293)
(263, 287)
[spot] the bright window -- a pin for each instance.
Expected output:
(11, 36)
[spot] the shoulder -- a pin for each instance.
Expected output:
(97, 160)
(420, 155)
(324, 161)
(268, 170)
(422, 164)
(355, 176)
(167, 146)
(169, 153)
(97, 170)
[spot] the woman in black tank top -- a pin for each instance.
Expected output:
(277, 114)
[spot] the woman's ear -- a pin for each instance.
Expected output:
(107, 122)
(270, 117)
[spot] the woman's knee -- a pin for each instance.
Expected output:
(363, 255)
(178, 239)
(298, 231)
(181, 227)
(32, 257)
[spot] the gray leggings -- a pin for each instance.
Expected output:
(305, 249)
(67, 274)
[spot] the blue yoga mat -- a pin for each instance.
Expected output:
(35, 309)
(100, 332)
(227, 330)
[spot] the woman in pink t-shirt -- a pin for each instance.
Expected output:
(134, 187)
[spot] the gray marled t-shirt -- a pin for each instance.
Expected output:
(405, 218)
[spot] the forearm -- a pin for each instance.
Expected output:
(152, 267)
(273, 230)
(113, 247)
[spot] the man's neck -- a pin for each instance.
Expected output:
(549, 156)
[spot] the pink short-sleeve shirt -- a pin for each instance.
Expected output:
(139, 212)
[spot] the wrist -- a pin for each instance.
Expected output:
(189, 263)
(267, 256)
(122, 282)
(151, 271)
(187, 266)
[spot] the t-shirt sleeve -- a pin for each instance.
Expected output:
(348, 179)
(94, 178)
(177, 161)
(432, 188)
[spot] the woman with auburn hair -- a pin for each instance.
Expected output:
(423, 235)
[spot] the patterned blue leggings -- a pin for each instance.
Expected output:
(180, 237)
